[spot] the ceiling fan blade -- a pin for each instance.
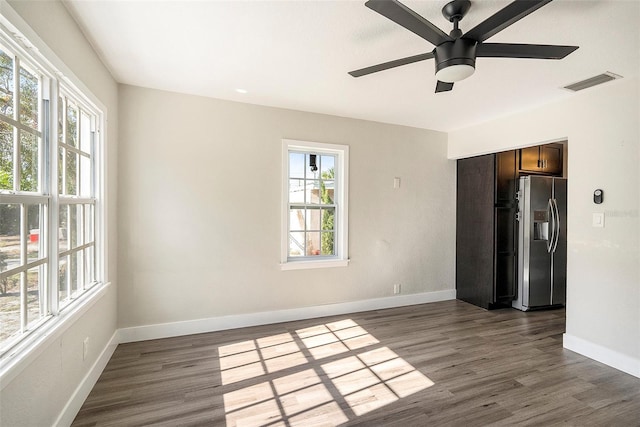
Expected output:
(513, 50)
(402, 15)
(391, 64)
(503, 18)
(443, 87)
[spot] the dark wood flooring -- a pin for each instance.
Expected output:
(442, 364)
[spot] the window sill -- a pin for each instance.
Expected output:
(304, 265)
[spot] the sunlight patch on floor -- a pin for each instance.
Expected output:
(355, 384)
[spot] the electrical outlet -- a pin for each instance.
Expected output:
(85, 348)
(396, 289)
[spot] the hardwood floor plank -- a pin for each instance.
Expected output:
(446, 363)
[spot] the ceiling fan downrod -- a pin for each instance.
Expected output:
(454, 12)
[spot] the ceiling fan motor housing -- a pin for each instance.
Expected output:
(460, 51)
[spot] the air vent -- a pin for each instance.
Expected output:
(592, 81)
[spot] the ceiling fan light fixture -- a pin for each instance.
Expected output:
(455, 60)
(455, 73)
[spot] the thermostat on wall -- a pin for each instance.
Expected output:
(597, 196)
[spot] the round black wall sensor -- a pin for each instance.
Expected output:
(598, 196)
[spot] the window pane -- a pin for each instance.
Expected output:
(313, 219)
(71, 172)
(9, 308)
(6, 84)
(60, 170)
(60, 120)
(6, 156)
(85, 176)
(328, 247)
(85, 132)
(74, 228)
(328, 218)
(29, 162)
(63, 280)
(63, 228)
(312, 192)
(327, 170)
(296, 191)
(313, 244)
(296, 244)
(9, 236)
(35, 227)
(89, 266)
(309, 172)
(72, 124)
(296, 219)
(75, 272)
(89, 232)
(326, 192)
(35, 286)
(28, 98)
(296, 165)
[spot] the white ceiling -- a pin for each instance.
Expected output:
(296, 54)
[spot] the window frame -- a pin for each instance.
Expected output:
(55, 79)
(341, 198)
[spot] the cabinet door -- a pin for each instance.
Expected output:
(475, 230)
(542, 159)
(505, 226)
(530, 159)
(552, 159)
(506, 178)
(506, 256)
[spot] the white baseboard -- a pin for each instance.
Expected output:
(166, 330)
(612, 358)
(81, 392)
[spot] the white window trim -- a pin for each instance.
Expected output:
(341, 259)
(26, 42)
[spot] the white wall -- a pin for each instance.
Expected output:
(200, 206)
(603, 264)
(38, 394)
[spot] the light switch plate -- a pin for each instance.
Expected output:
(598, 219)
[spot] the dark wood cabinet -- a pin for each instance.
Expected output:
(486, 229)
(542, 159)
(552, 158)
(475, 230)
(530, 159)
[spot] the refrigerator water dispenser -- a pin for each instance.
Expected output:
(540, 225)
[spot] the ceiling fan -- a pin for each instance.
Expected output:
(455, 54)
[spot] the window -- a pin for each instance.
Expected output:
(76, 200)
(49, 216)
(315, 205)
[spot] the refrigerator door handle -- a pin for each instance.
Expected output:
(556, 223)
(552, 226)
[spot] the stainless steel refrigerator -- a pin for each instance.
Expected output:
(542, 242)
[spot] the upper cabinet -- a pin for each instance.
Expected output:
(542, 159)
